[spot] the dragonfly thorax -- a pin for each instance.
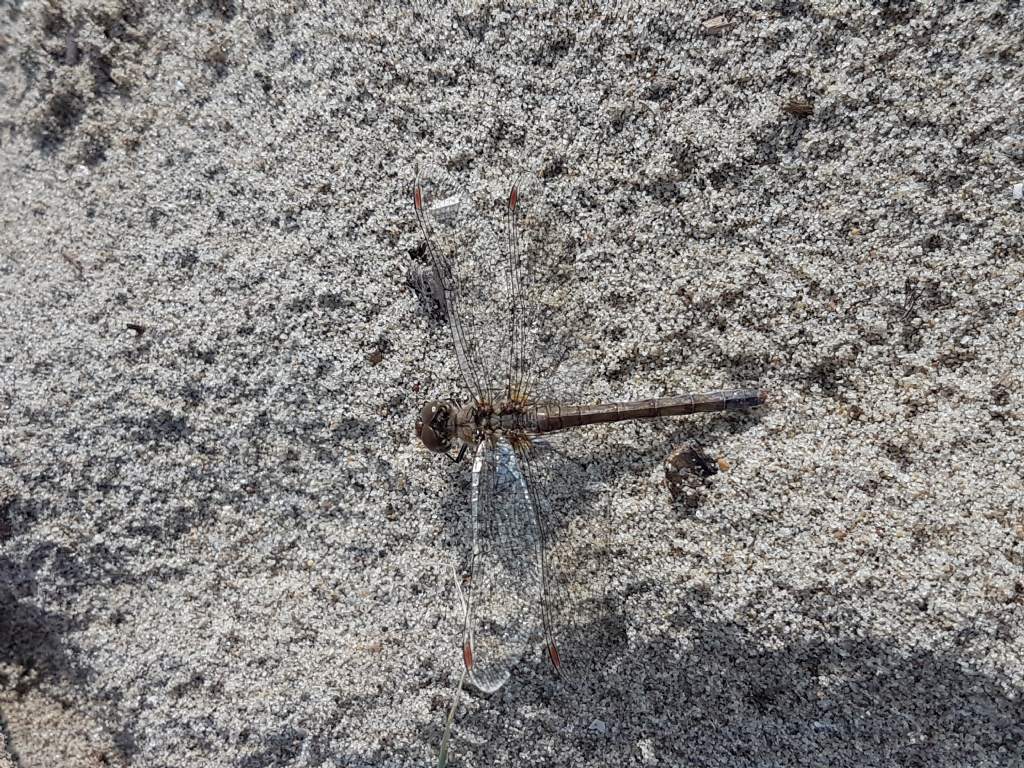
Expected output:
(441, 425)
(487, 421)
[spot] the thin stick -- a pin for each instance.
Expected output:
(442, 757)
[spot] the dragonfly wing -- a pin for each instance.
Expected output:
(581, 623)
(518, 374)
(463, 243)
(538, 342)
(503, 283)
(504, 584)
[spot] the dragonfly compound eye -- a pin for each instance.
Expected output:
(431, 426)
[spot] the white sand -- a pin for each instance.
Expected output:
(219, 544)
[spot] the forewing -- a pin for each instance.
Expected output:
(460, 221)
(503, 591)
(495, 250)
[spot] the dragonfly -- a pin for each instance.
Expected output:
(500, 290)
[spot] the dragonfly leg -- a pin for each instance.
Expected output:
(460, 457)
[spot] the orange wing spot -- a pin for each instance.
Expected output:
(556, 660)
(417, 197)
(513, 198)
(467, 655)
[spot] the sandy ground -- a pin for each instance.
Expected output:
(219, 543)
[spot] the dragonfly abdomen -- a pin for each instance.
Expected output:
(552, 418)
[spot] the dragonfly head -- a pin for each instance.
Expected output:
(432, 427)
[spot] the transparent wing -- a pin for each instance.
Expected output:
(464, 246)
(540, 278)
(503, 591)
(582, 622)
(503, 277)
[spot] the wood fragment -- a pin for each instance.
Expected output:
(718, 25)
(798, 107)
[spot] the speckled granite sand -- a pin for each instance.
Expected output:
(219, 544)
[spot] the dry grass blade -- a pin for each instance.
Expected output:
(442, 756)
(442, 753)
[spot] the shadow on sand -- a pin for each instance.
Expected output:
(840, 698)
